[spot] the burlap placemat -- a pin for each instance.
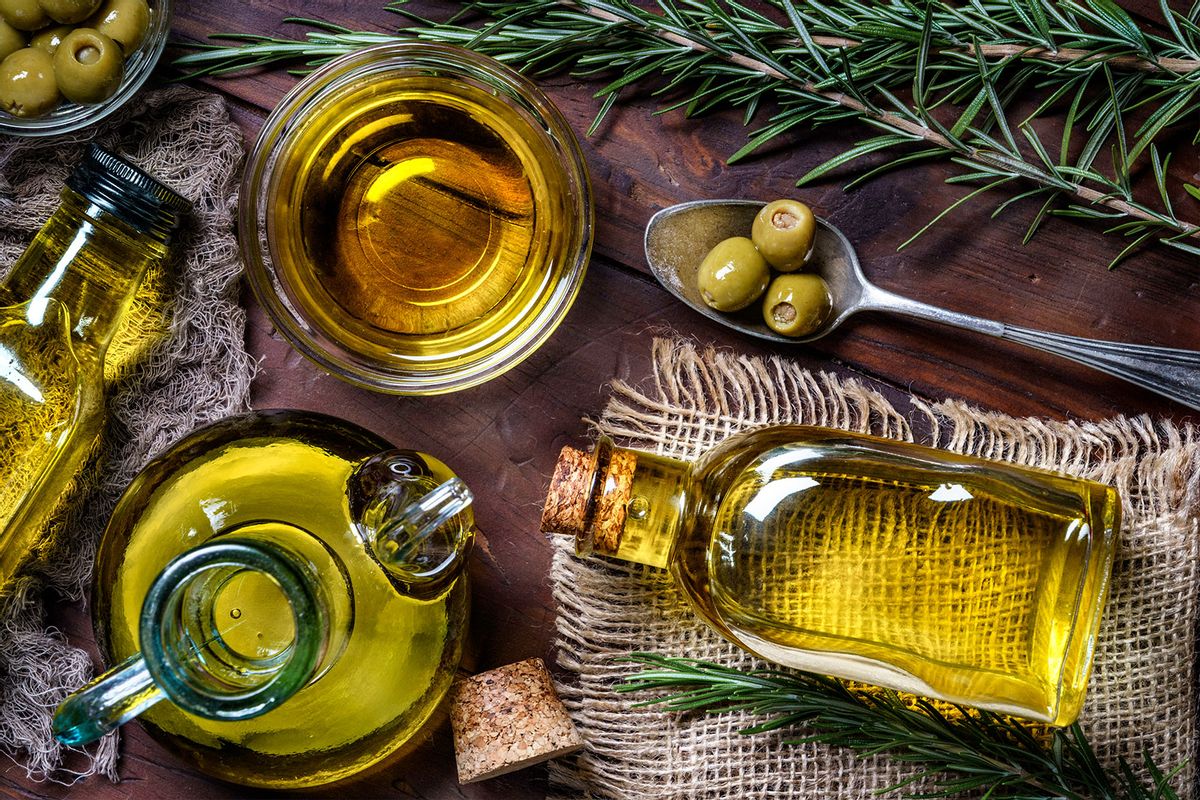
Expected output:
(179, 361)
(1142, 694)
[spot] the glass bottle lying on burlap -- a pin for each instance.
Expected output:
(284, 597)
(952, 577)
(59, 308)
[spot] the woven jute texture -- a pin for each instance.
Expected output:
(177, 362)
(1142, 694)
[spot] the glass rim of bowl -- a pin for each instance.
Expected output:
(70, 117)
(254, 218)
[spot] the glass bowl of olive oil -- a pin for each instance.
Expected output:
(416, 218)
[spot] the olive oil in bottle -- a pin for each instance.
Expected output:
(971, 581)
(59, 308)
(419, 217)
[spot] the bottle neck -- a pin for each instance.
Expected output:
(239, 624)
(87, 260)
(619, 503)
(229, 630)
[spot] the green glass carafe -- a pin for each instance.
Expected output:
(284, 597)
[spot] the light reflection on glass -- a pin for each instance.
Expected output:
(10, 371)
(950, 493)
(774, 493)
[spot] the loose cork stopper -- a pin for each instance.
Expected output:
(507, 719)
(567, 498)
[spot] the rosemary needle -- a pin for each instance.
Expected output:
(958, 751)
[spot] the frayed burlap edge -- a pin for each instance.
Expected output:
(178, 362)
(1142, 695)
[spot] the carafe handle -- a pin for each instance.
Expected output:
(105, 704)
(415, 526)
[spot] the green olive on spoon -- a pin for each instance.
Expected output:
(679, 237)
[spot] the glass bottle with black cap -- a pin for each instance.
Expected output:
(59, 308)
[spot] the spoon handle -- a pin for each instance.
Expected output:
(1168, 371)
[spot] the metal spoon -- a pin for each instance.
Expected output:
(678, 238)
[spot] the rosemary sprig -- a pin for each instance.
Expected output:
(938, 78)
(975, 751)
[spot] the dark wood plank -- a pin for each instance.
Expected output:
(969, 262)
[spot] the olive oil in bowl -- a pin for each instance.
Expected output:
(417, 220)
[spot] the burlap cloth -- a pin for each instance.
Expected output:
(179, 361)
(1142, 694)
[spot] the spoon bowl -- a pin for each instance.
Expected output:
(680, 236)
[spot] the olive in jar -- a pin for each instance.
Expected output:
(24, 15)
(796, 304)
(124, 21)
(11, 39)
(69, 12)
(27, 84)
(89, 66)
(783, 231)
(49, 39)
(733, 275)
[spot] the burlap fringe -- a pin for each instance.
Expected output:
(1143, 691)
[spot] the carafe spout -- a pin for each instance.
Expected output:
(419, 529)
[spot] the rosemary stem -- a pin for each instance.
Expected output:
(1063, 55)
(901, 123)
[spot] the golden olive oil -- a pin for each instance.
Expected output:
(420, 217)
(60, 306)
(950, 577)
(283, 477)
(50, 416)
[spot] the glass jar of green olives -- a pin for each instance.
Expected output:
(65, 64)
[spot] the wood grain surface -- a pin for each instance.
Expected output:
(503, 436)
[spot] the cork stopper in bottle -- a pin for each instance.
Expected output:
(570, 489)
(613, 503)
(507, 719)
(589, 495)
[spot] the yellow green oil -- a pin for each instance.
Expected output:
(419, 217)
(58, 314)
(395, 664)
(49, 419)
(891, 564)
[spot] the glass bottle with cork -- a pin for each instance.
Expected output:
(59, 308)
(952, 577)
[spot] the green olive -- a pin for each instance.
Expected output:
(124, 21)
(783, 232)
(69, 11)
(88, 65)
(11, 39)
(27, 84)
(49, 39)
(796, 305)
(24, 15)
(733, 275)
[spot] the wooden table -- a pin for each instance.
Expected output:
(503, 436)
